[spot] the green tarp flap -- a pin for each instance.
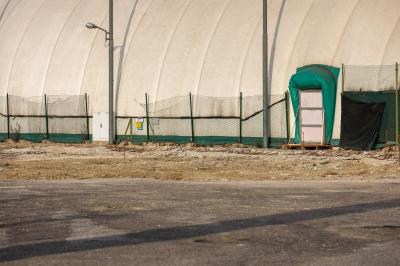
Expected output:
(316, 77)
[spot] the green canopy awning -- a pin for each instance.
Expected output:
(316, 77)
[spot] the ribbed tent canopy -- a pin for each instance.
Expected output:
(172, 47)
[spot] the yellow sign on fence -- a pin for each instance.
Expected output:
(139, 123)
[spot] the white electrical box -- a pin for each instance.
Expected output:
(100, 126)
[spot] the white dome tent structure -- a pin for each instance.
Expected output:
(185, 70)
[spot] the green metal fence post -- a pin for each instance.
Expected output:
(147, 118)
(287, 107)
(191, 116)
(397, 110)
(343, 78)
(241, 117)
(8, 116)
(131, 129)
(47, 116)
(87, 116)
(397, 104)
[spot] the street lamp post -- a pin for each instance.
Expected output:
(110, 38)
(111, 74)
(265, 76)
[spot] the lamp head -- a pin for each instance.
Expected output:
(91, 26)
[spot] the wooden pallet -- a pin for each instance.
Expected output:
(306, 147)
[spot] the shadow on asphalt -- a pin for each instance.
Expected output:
(177, 233)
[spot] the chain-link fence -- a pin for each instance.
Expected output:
(181, 119)
(369, 78)
(376, 84)
(52, 117)
(207, 120)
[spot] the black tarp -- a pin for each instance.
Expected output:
(360, 124)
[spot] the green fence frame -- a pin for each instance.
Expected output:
(204, 140)
(241, 118)
(191, 117)
(79, 138)
(46, 112)
(87, 117)
(397, 95)
(57, 137)
(8, 115)
(397, 105)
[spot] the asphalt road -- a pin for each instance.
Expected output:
(147, 222)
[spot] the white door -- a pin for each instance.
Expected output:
(312, 129)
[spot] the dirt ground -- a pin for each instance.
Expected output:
(120, 215)
(52, 161)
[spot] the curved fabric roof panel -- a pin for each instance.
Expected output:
(171, 48)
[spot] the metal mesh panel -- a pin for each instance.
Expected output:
(169, 127)
(166, 117)
(174, 107)
(66, 119)
(123, 127)
(204, 106)
(253, 127)
(67, 114)
(369, 78)
(217, 117)
(26, 116)
(217, 127)
(252, 116)
(278, 123)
